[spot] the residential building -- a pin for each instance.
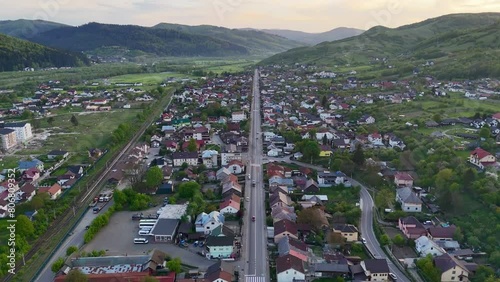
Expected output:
(293, 247)
(165, 229)
(426, 246)
(57, 153)
(54, 191)
(285, 228)
(410, 202)
(33, 163)
(348, 231)
(411, 227)
(238, 116)
(8, 138)
(443, 232)
(209, 158)
(236, 167)
(22, 129)
(191, 158)
(205, 223)
(481, 158)
(219, 247)
(403, 179)
(230, 205)
(376, 269)
(330, 270)
(290, 269)
(327, 179)
(451, 269)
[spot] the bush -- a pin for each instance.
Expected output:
(57, 265)
(71, 249)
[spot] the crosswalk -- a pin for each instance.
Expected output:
(253, 278)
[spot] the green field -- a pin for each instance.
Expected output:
(146, 78)
(93, 131)
(233, 68)
(9, 162)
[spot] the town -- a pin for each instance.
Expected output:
(382, 185)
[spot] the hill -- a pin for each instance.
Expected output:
(257, 42)
(444, 37)
(316, 38)
(16, 54)
(25, 29)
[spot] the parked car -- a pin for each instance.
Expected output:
(253, 218)
(393, 276)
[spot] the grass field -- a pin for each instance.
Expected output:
(93, 131)
(146, 78)
(9, 162)
(233, 68)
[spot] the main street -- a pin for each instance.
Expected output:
(256, 265)
(366, 227)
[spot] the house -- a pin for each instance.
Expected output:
(28, 191)
(205, 223)
(403, 179)
(443, 232)
(289, 269)
(310, 186)
(376, 139)
(171, 145)
(238, 116)
(279, 199)
(411, 227)
(31, 174)
(231, 186)
(375, 269)
(230, 205)
(348, 231)
(481, 158)
(236, 167)
(451, 269)
(8, 138)
(155, 141)
(283, 212)
(410, 202)
(327, 179)
(166, 188)
(95, 153)
(209, 158)
(325, 151)
(426, 246)
(57, 154)
(285, 228)
(222, 173)
(366, 119)
(54, 191)
(34, 163)
(219, 247)
(22, 130)
(179, 158)
(215, 273)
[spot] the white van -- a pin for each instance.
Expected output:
(140, 241)
(144, 232)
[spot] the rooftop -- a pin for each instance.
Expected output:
(172, 211)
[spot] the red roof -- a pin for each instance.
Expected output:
(480, 153)
(496, 116)
(403, 176)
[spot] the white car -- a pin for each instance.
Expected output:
(248, 199)
(363, 240)
(393, 276)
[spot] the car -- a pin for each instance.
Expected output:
(249, 176)
(393, 276)
(248, 199)
(363, 240)
(253, 218)
(87, 227)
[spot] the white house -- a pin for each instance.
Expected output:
(238, 116)
(191, 158)
(410, 202)
(375, 139)
(205, 223)
(236, 167)
(426, 246)
(22, 129)
(290, 268)
(366, 119)
(209, 158)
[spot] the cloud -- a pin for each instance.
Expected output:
(311, 15)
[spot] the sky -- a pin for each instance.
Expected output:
(303, 15)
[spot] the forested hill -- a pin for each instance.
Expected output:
(161, 42)
(17, 54)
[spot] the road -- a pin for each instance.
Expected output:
(255, 254)
(366, 228)
(76, 239)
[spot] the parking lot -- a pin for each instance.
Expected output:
(118, 239)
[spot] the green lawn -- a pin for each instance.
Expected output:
(233, 68)
(338, 194)
(146, 78)
(93, 131)
(9, 162)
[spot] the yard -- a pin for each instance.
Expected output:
(94, 130)
(9, 161)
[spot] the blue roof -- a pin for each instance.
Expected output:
(29, 164)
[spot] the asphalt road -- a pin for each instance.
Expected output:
(366, 228)
(254, 234)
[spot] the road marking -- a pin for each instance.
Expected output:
(253, 278)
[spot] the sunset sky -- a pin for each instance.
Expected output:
(304, 15)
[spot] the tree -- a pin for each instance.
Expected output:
(384, 199)
(187, 190)
(154, 177)
(485, 132)
(57, 265)
(175, 265)
(50, 120)
(384, 240)
(431, 272)
(74, 120)
(359, 156)
(437, 118)
(309, 148)
(310, 216)
(24, 226)
(192, 147)
(75, 275)
(71, 249)
(324, 101)
(335, 238)
(398, 240)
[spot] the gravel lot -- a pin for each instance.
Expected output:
(118, 239)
